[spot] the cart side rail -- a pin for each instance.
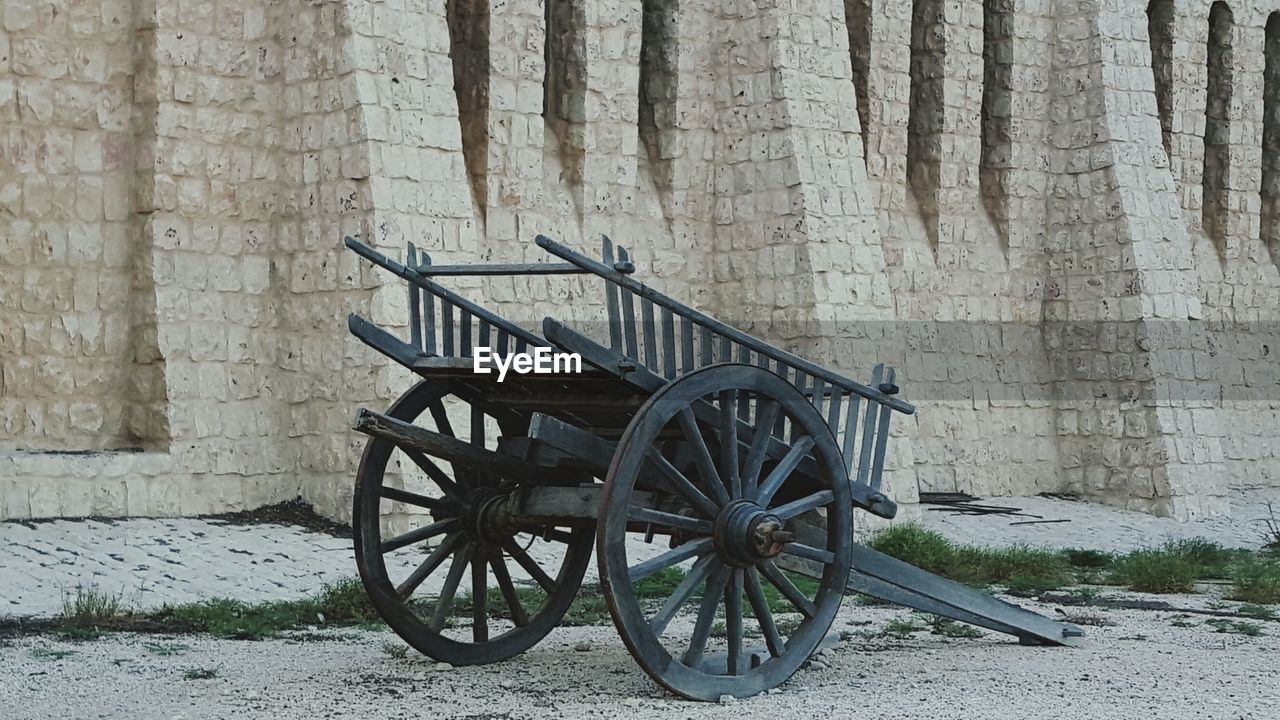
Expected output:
(442, 323)
(668, 338)
(717, 342)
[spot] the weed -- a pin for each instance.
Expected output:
(1085, 593)
(778, 603)
(589, 608)
(1182, 621)
(1092, 619)
(1090, 559)
(41, 653)
(1211, 559)
(1156, 571)
(902, 628)
(1262, 612)
(923, 548)
(165, 649)
(200, 674)
(1235, 627)
(1271, 535)
(946, 627)
(1033, 568)
(395, 650)
(660, 584)
(1256, 579)
(86, 612)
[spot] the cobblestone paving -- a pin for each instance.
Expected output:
(150, 562)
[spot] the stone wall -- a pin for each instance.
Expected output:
(1004, 199)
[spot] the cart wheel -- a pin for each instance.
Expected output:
(726, 511)
(452, 528)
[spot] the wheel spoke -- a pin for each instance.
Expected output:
(729, 441)
(535, 571)
(479, 599)
(477, 439)
(411, 498)
(433, 471)
(804, 504)
(711, 596)
(766, 416)
(518, 614)
(683, 486)
(681, 522)
(560, 536)
(733, 621)
(799, 447)
(808, 552)
(788, 589)
(428, 566)
(702, 456)
(683, 592)
(671, 557)
(425, 532)
(450, 588)
(764, 616)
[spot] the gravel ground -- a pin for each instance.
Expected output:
(1140, 667)
(1144, 664)
(1100, 527)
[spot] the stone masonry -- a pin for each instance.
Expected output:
(1057, 218)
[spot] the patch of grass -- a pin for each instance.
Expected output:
(165, 649)
(1182, 621)
(395, 650)
(200, 674)
(90, 606)
(1026, 568)
(1084, 593)
(946, 627)
(342, 603)
(1092, 619)
(1262, 612)
(660, 584)
(1211, 559)
(1156, 571)
(1088, 559)
(47, 654)
(778, 603)
(902, 628)
(1256, 579)
(589, 608)
(913, 544)
(88, 612)
(1235, 627)
(235, 620)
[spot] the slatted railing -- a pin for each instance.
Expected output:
(670, 339)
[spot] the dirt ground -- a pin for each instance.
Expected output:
(1144, 664)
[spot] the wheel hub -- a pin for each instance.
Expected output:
(486, 518)
(747, 534)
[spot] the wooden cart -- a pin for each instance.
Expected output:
(685, 450)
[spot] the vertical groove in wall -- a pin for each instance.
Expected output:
(997, 145)
(564, 86)
(147, 423)
(469, 54)
(857, 17)
(1217, 128)
(1271, 138)
(657, 87)
(925, 113)
(1160, 35)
